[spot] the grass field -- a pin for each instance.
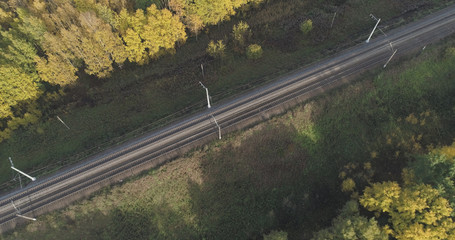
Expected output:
(282, 174)
(134, 100)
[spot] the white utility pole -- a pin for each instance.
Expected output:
(202, 69)
(19, 176)
(207, 93)
(63, 122)
(368, 40)
(385, 65)
(22, 216)
(333, 19)
(219, 128)
(391, 46)
(19, 171)
(28, 218)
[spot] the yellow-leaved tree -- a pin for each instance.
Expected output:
(415, 211)
(150, 34)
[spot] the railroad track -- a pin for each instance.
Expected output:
(166, 143)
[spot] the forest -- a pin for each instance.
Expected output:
(47, 45)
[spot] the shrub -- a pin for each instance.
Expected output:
(276, 235)
(450, 52)
(306, 26)
(216, 50)
(241, 33)
(254, 51)
(348, 185)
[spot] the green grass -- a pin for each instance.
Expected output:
(278, 175)
(136, 99)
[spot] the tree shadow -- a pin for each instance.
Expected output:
(251, 187)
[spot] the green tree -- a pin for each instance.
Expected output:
(143, 4)
(5, 17)
(16, 51)
(105, 13)
(438, 170)
(84, 5)
(117, 5)
(416, 211)
(31, 27)
(350, 225)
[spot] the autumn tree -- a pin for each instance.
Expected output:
(15, 86)
(211, 12)
(121, 21)
(5, 15)
(151, 34)
(19, 81)
(60, 16)
(194, 24)
(162, 31)
(56, 70)
(416, 211)
(241, 33)
(82, 38)
(216, 50)
(350, 225)
(178, 7)
(106, 40)
(101, 9)
(134, 47)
